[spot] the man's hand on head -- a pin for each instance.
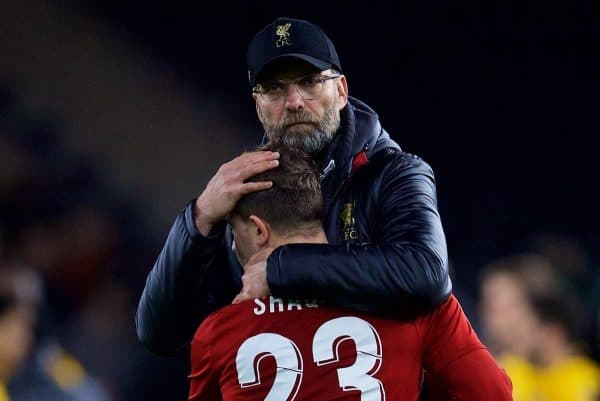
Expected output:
(228, 185)
(254, 279)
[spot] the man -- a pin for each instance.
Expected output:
(508, 321)
(18, 309)
(565, 372)
(271, 349)
(32, 362)
(386, 244)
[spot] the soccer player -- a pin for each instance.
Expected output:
(275, 349)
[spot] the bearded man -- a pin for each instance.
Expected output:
(386, 247)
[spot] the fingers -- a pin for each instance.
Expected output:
(251, 169)
(251, 159)
(254, 284)
(227, 186)
(258, 156)
(249, 165)
(241, 297)
(249, 187)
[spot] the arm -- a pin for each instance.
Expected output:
(458, 366)
(182, 287)
(405, 264)
(195, 273)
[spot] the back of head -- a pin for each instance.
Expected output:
(294, 203)
(19, 286)
(558, 310)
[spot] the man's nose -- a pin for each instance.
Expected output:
(293, 99)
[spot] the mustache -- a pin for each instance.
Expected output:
(297, 117)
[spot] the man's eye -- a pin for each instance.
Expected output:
(272, 86)
(309, 82)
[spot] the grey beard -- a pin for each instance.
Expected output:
(312, 138)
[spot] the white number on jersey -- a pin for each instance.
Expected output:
(326, 342)
(287, 358)
(359, 376)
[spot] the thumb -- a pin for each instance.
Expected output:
(237, 299)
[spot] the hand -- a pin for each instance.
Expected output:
(254, 279)
(227, 186)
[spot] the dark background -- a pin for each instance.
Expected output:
(500, 98)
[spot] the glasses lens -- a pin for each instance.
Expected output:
(270, 91)
(311, 87)
(272, 97)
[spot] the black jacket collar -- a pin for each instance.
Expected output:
(360, 130)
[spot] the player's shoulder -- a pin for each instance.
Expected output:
(450, 307)
(448, 310)
(213, 323)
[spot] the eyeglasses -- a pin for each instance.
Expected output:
(309, 87)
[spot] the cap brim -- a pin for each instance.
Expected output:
(318, 64)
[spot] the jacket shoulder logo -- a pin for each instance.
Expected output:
(284, 35)
(348, 221)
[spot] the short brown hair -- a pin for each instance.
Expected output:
(294, 203)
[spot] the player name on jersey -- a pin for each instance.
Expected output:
(276, 305)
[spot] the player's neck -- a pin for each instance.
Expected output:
(556, 353)
(312, 237)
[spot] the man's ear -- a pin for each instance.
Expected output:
(255, 98)
(342, 88)
(261, 230)
(257, 107)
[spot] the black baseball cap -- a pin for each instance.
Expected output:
(289, 37)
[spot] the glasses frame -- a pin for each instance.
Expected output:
(259, 90)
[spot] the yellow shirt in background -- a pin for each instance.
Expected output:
(577, 378)
(3, 393)
(523, 376)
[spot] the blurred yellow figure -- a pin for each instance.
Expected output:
(576, 378)
(509, 326)
(3, 393)
(66, 371)
(523, 375)
(564, 374)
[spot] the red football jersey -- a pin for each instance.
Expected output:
(271, 349)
